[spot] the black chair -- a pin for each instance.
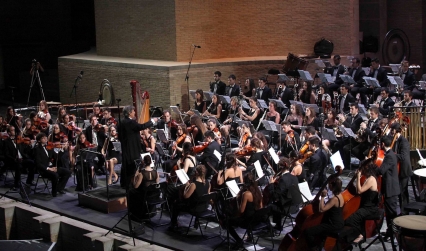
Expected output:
(293, 205)
(378, 222)
(154, 196)
(206, 214)
(417, 207)
(45, 182)
(259, 222)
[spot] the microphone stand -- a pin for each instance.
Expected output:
(74, 90)
(187, 75)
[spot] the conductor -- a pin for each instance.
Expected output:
(130, 143)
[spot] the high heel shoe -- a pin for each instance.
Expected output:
(358, 240)
(115, 180)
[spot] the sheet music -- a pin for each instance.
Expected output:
(366, 70)
(336, 160)
(245, 105)
(208, 95)
(145, 154)
(305, 75)
(182, 176)
(395, 67)
(274, 155)
(420, 155)
(217, 154)
(320, 63)
(233, 187)
(347, 79)
(304, 189)
(192, 92)
(259, 170)
(225, 99)
(262, 104)
(117, 146)
(283, 77)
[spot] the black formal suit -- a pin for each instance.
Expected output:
(340, 70)
(100, 137)
(258, 156)
(316, 173)
(390, 185)
(409, 80)
(385, 105)
(286, 96)
(353, 122)
(233, 91)
(128, 134)
(358, 77)
(43, 161)
(348, 99)
(402, 149)
(266, 93)
(208, 158)
(220, 87)
(286, 146)
(11, 157)
(382, 76)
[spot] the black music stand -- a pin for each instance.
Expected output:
(305, 76)
(187, 72)
(271, 128)
(244, 105)
(90, 154)
(347, 132)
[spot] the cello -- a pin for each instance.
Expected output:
(307, 217)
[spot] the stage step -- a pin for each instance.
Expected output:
(98, 200)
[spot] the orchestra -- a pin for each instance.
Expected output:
(209, 151)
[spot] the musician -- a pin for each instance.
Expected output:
(390, 187)
(215, 108)
(199, 104)
(286, 93)
(263, 140)
(331, 121)
(230, 124)
(43, 159)
(250, 199)
(232, 89)
(295, 117)
(95, 134)
(97, 111)
(13, 119)
(253, 115)
(107, 119)
(263, 92)
(168, 125)
(379, 73)
(386, 102)
(232, 172)
(183, 136)
(56, 134)
(335, 71)
(257, 154)
(279, 191)
(401, 147)
(3, 124)
(368, 133)
(208, 158)
(325, 100)
(245, 135)
(217, 87)
(272, 114)
(353, 121)
(357, 73)
(18, 156)
(197, 128)
(310, 119)
(408, 101)
(306, 94)
(193, 190)
(87, 170)
(61, 112)
(369, 202)
(28, 130)
(332, 221)
(296, 168)
(43, 112)
(212, 126)
(345, 99)
(187, 162)
(407, 76)
(69, 128)
(128, 134)
(316, 164)
(111, 155)
(248, 90)
(291, 141)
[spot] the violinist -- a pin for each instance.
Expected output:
(263, 140)
(88, 167)
(232, 172)
(230, 124)
(245, 136)
(69, 128)
(111, 155)
(148, 143)
(168, 125)
(43, 158)
(107, 119)
(215, 108)
(95, 134)
(253, 114)
(66, 154)
(317, 164)
(212, 126)
(56, 134)
(188, 161)
(332, 221)
(208, 157)
(13, 120)
(29, 130)
(290, 141)
(255, 152)
(97, 111)
(295, 117)
(197, 129)
(324, 98)
(280, 197)
(199, 103)
(183, 136)
(3, 124)
(296, 167)
(61, 112)
(18, 156)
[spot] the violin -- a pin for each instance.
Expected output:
(87, 144)
(290, 136)
(200, 148)
(42, 123)
(111, 121)
(245, 151)
(179, 140)
(59, 135)
(217, 133)
(34, 130)
(21, 140)
(72, 127)
(99, 128)
(4, 135)
(305, 156)
(52, 145)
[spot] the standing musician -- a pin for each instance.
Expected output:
(111, 155)
(386, 102)
(130, 143)
(13, 120)
(353, 121)
(316, 164)
(168, 125)
(200, 104)
(253, 115)
(291, 140)
(217, 87)
(212, 126)
(232, 89)
(345, 99)
(401, 147)
(232, 172)
(248, 90)
(379, 73)
(335, 71)
(43, 159)
(215, 108)
(208, 158)
(263, 92)
(390, 187)
(279, 192)
(95, 134)
(357, 73)
(230, 124)
(18, 156)
(306, 94)
(332, 221)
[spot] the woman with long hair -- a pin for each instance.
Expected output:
(263, 140)
(296, 167)
(197, 129)
(232, 172)
(199, 103)
(331, 121)
(272, 114)
(13, 119)
(295, 117)
(306, 94)
(248, 88)
(253, 115)
(188, 161)
(215, 108)
(111, 155)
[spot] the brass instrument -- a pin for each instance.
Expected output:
(336, 101)
(279, 91)
(360, 136)
(295, 92)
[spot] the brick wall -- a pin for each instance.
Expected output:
(165, 30)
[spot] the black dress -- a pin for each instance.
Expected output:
(200, 107)
(255, 121)
(139, 195)
(242, 221)
(112, 153)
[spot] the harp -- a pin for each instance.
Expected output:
(140, 102)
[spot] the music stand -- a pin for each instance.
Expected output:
(282, 78)
(91, 153)
(296, 103)
(396, 81)
(305, 76)
(395, 68)
(347, 132)
(176, 110)
(280, 104)
(328, 134)
(192, 93)
(244, 105)
(208, 95)
(421, 86)
(371, 82)
(315, 106)
(225, 99)
(361, 109)
(262, 104)
(347, 79)
(161, 135)
(271, 127)
(326, 78)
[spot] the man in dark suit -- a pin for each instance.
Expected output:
(408, 101)
(232, 89)
(44, 162)
(335, 71)
(280, 194)
(18, 157)
(217, 87)
(263, 92)
(128, 133)
(390, 183)
(168, 125)
(379, 73)
(386, 102)
(286, 94)
(407, 76)
(345, 99)
(357, 73)
(289, 143)
(208, 158)
(401, 148)
(353, 121)
(316, 163)
(361, 150)
(95, 134)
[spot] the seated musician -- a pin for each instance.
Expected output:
(215, 108)
(88, 163)
(208, 158)
(369, 202)
(148, 144)
(272, 114)
(263, 92)
(29, 130)
(188, 161)
(345, 99)
(18, 156)
(69, 127)
(248, 89)
(107, 118)
(253, 115)
(111, 155)
(144, 177)
(66, 154)
(279, 195)
(295, 116)
(183, 136)
(408, 101)
(386, 102)
(255, 151)
(232, 172)
(56, 134)
(379, 73)
(335, 71)
(245, 135)
(331, 121)
(263, 140)
(332, 221)
(286, 93)
(212, 126)
(197, 129)
(249, 199)
(306, 94)
(194, 189)
(168, 125)
(296, 168)
(61, 112)
(13, 119)
(357, 73)
(43, 112)
(230, 124)
(368, 133)
(95, 134)
(200, 103)
(3, 124)
(316, 164)
(44, 162)
(97, 111)
(290, 140)
(232, 89)
(324, 99)
(310, 118)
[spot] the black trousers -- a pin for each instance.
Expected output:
(59, 178)
(320, 232)
(403, 197)
(391, 210)
(18, 166)
(356, 222)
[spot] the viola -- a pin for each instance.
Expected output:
(52, 145)
(304, 148)
(21, 140)
(305, 156)
(72, 127)
(245, 151)
(200, 148)
(42, 123)
(111, 121)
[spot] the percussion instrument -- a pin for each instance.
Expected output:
(410, 231)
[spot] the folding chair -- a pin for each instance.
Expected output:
(260, 221)
(157, 200)
(293, 205)
(45, 181)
